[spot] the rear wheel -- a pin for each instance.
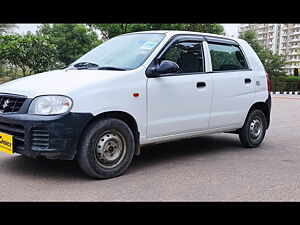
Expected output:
(253, 132)
(106, 148)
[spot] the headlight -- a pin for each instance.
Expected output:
(50, 105)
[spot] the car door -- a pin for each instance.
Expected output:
(233, 85)
(180, 103)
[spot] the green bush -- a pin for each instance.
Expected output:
(285, 83)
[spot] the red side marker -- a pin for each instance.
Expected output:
(136, 94)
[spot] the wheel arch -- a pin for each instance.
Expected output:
(126, 118)
(263, 106)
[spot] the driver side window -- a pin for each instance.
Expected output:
(188, 56)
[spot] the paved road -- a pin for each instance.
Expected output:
(208, 168)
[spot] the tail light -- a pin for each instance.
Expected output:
(269, 82)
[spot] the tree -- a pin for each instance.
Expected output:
(32, 53)
(251, 37)
(167, 26)
(273, 63)
(72, 40)
(206, 28)
(6, 27)
(110, 30)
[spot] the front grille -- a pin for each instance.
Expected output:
(17, 131)
(10, 103)
(40, 138)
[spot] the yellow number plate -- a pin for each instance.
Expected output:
(6, 143)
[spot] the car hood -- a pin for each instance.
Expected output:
(61, 82)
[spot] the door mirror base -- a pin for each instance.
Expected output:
(165, 67)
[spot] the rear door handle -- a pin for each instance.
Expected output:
(201, 84)
(247, 80)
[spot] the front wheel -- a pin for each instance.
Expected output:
(253, 132)
(106, 148)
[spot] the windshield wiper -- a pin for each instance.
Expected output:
(111, 68)
(86, 65)
(89, 65)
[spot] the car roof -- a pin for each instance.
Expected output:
(176, 32)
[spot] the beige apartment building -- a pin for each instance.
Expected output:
(281, 39)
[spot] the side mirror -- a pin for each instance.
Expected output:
(167, 66)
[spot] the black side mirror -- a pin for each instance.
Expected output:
(164, 67)
(167, 66)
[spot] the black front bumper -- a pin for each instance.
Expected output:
(54, 137)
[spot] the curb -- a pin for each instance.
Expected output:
(285, 93)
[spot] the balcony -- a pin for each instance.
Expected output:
(289, 67)
(244, 25)
(294, 46)
(293, 60)
(262, 32)
(262, 25)
(297, 25)
(295, 33)
(295, 40)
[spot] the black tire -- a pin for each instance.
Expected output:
(99, 161)
(251, 136)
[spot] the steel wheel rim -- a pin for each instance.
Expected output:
(256, 128)
(110, 149)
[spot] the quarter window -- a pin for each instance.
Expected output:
(188, 56)
(226, 57)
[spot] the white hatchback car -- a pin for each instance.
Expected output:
(133, 90)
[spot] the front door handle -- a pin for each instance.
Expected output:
(201, 84)
(247, 80)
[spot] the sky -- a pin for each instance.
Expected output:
(23, 28)
(231, 29)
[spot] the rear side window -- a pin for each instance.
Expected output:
(188, 56)
(226, 57)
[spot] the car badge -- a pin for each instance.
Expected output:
(5, 104)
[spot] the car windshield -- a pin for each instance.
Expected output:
(124, 52)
